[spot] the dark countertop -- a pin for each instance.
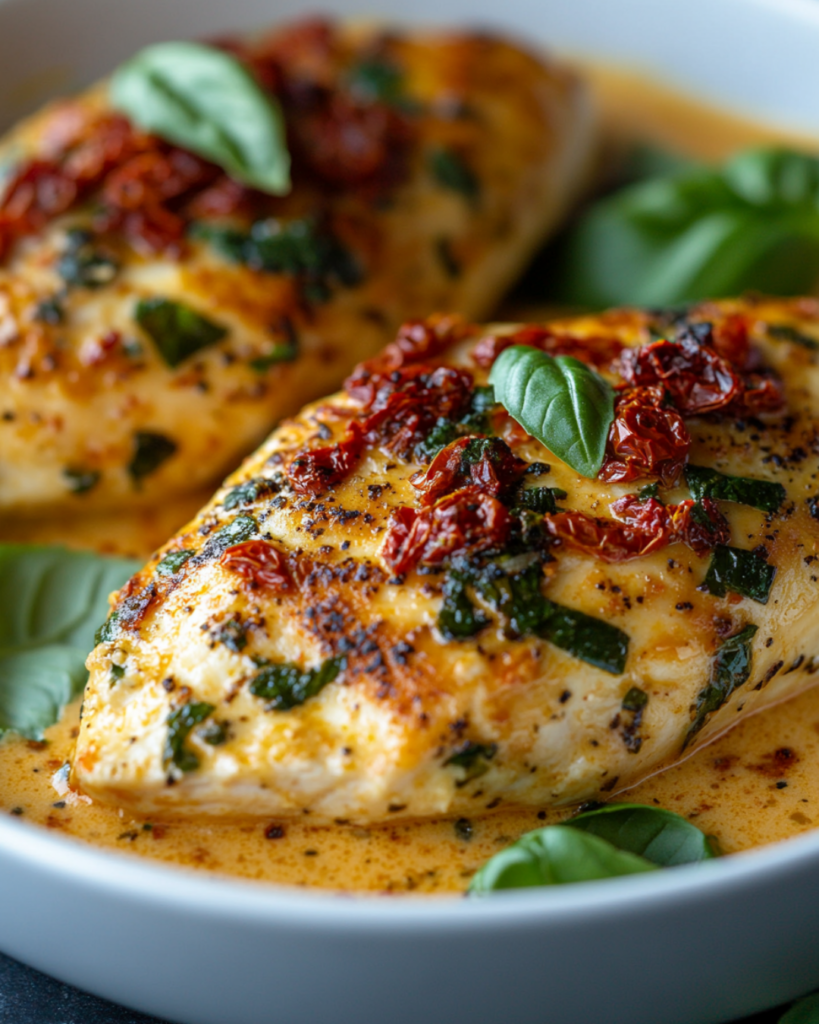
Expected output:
(28, 997)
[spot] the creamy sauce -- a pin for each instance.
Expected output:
(757, 784)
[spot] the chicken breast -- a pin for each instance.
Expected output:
(405, 605)
(157, 318)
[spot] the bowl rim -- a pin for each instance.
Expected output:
(210, 895)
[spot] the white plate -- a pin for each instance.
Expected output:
(692, 946)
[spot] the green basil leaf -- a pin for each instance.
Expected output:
(555, 855)
(708, 483)
(51, 602)
(173, 561)
(697, 233)
(741, 571)
(203, 99)
(805, 1011)
(180, 723)
(560, 401)
(150, 451)
(287, 686)
(177, 330)
(664, 838)
(451, 172)
(730, 668)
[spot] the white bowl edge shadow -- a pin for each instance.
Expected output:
(698, 945)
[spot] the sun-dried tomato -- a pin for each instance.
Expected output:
(415, 342)
(762, 392)
(313, 470)
(700, 525)
(696, 379)
(640, 528)
(486, 463)
(647, 438)
(596, 350)
(464, 521)
(260, 563)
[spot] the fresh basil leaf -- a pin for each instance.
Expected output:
(560, 401)
(177, 330)
(804, 1011)
(741, 571)
(287, 686)
(730, 668)
(555, 855)
(51, 601)
(708, 483)
(150, 451)
(664, 838)
(180, 723)
(699, 233)
(203, 99)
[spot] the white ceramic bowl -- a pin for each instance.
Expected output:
(688, 946)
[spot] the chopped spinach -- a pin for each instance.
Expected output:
(740, 571)
(80, 481)
(213, 733)
(539, 499)
(458, 617)
(233, 634)
(49, 311)
(452, 267)
(708, 483)
(474, 758)
(150, 451)
(250, 491)
(787, 332)
(635, 700)
(81, 265)
(517, 597)
(649, 491)
(451, 171)
(730, 668)
(301, 248)
(177, 330)
(286, 686)
(173, 561)
(117, 673)
(376, 80)
(180, 723)
(237, 531)
(474, 421)
(282, 352)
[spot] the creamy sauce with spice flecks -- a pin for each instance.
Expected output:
(757, 784)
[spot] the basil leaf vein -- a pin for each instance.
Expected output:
(664, 838)
(560, 401)
(203, 99)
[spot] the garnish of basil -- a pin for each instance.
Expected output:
(555, 855)
(699, 233)
(560, 401)
(609, 841)
(664, 838)
(51, 602)
(206, 101)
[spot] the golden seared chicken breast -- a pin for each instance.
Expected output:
(157, 317)
(404, 604)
